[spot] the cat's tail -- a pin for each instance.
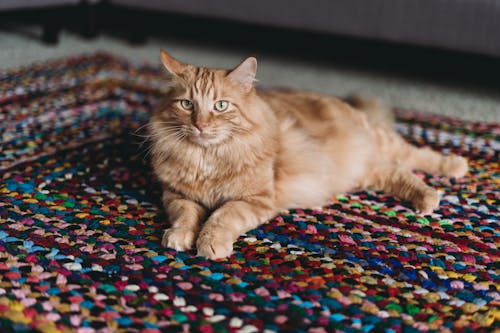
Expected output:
(377, 111)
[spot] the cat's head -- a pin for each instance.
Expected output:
(206, 106)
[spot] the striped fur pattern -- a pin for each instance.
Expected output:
(226, 154)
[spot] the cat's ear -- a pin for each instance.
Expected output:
(244, 73)
(172, 65)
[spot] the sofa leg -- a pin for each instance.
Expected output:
(51, 33)
(52, 26)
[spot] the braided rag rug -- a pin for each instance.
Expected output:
(81, 221)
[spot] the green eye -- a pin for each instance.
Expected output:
(187, 104)
(221, 106)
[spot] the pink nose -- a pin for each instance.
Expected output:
(200, 126)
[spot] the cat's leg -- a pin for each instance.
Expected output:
(431, 161)
(424, 159)
(185, 218)
(402, 182)
(228, 222)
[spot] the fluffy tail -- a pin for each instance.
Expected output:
(378, 112)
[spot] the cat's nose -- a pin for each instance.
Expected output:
(200, 125)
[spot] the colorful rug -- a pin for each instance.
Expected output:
(80, 228)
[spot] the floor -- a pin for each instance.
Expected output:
(425, 87)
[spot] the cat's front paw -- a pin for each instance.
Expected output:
(180, 239)
(427, 201)
(455, 166)
(214, 247)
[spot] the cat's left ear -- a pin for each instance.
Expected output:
(172, 65)
(244, 73)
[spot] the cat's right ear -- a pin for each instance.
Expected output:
(173, 66)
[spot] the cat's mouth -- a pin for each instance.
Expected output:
(205, 138)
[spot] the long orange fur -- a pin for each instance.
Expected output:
(226, 172)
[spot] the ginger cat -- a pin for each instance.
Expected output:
(230, 156)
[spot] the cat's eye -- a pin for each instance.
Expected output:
(221, 106)
(186, 104)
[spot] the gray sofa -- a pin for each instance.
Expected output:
(51, 14)
(31, 4)
(462, 25)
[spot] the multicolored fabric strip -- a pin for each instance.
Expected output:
(81, 221)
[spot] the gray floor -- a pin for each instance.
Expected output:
(476, 103)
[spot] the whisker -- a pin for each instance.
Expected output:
(239, 130)
(157, 134)
(141, 127)
(148, 124)
(157, 139)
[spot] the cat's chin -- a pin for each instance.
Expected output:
(206, 141)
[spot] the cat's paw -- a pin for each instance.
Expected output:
(455, 166)
(212, 247)
(180, 239)
(427, 202)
